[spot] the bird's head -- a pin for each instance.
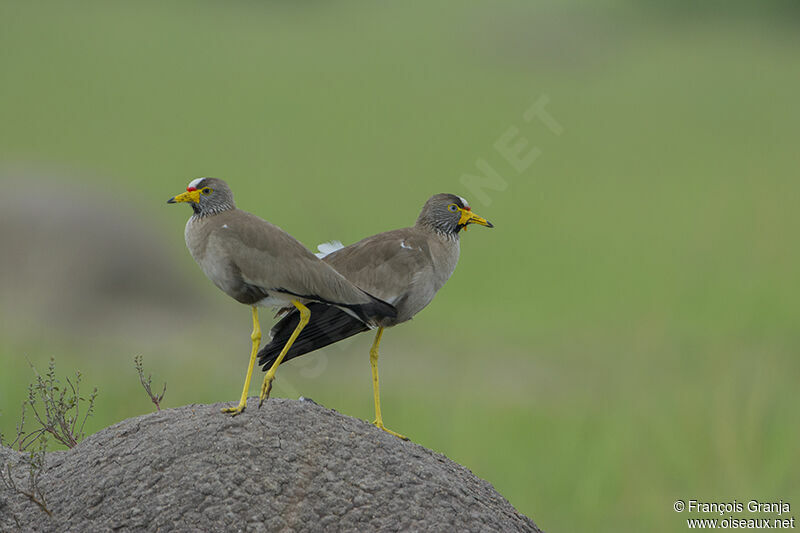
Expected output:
(207, 196)
(449, 214)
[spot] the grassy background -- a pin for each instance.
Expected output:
(626, 335)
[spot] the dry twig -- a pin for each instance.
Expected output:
(146, 383)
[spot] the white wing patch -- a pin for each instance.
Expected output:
(194, 183)
(328, 248)
(225, 226)
(404, 245)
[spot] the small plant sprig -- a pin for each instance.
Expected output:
(60, 411)
(33, 491)
(146, 383)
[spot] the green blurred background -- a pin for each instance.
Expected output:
(626, 335)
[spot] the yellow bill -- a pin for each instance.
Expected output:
(468, 217)
(191, 195)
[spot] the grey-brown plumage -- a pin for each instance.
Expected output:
(257, 263)
(404, 267)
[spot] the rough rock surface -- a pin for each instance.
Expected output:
(289, 466)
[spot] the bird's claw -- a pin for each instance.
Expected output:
(266, 388)
(378, 424)
(233, 411)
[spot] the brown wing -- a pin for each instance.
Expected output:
(268, 258)
(388, 265)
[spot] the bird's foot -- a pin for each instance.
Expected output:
(379, 425)
(266, 387)
(233, 411)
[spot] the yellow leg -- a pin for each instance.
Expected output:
(373, 361)
(266, 387)
(256, 338)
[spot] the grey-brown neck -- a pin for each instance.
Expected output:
(442, 232)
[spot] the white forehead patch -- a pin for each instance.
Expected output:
(195, 183)
(464, 202)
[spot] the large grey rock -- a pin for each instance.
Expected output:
(289, 466)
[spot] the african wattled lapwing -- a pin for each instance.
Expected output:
(258, 264)
(404, 267)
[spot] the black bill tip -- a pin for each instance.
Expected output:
(172, 201)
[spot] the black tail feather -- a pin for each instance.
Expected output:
(327, 325)
(377, 309)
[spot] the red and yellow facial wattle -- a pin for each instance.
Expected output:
(468, 217)
(192, 194)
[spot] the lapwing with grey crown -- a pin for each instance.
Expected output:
(260, 265)
(404, 267)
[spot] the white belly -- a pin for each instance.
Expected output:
(276, 300)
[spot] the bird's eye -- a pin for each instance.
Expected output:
(206, 191)
(453, 207)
